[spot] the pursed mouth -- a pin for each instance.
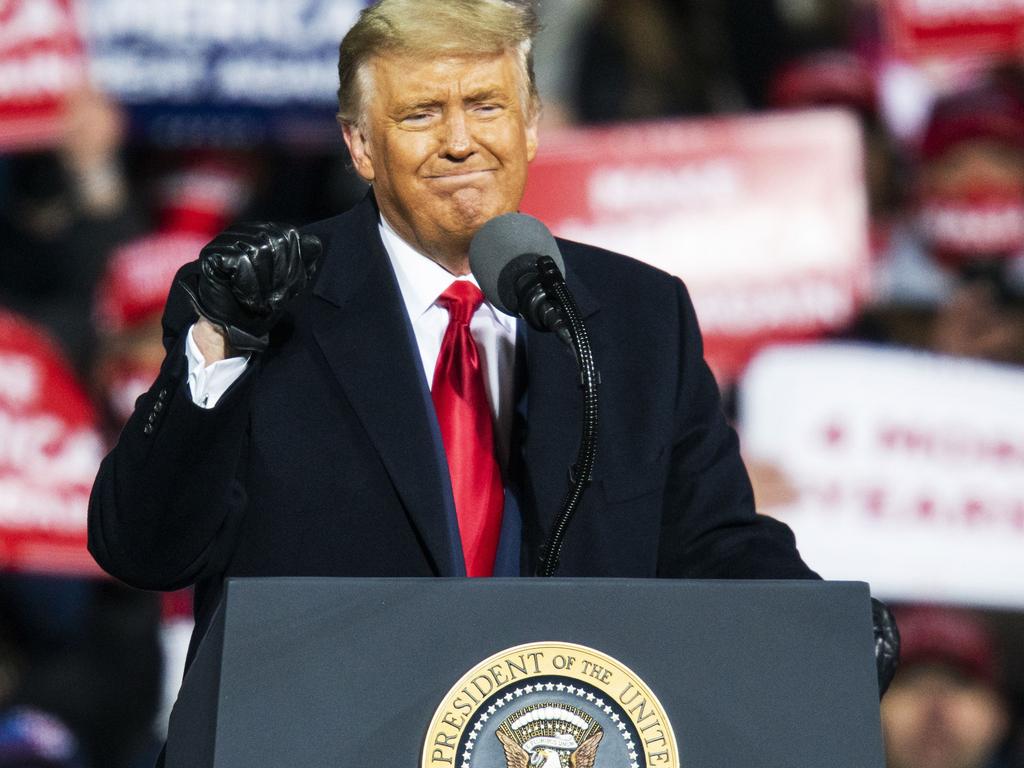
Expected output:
(460, 174)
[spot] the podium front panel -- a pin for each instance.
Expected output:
(349, 673)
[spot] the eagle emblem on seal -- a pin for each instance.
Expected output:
(550, 736)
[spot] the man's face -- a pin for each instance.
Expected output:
(936, 717)
(445, 143)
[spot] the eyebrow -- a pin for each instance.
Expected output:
(488, 94)
(413, 106)
(476, 97)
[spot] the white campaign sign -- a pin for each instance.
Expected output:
(909, 467)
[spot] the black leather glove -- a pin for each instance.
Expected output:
(887, 644)
(248, 274)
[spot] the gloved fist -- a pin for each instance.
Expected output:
(887, 644)
(248, 274)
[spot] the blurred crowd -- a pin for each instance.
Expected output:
(92, 231)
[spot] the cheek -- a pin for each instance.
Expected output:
(979, 718)
(404, 155)
(507, 140)
(902, 715)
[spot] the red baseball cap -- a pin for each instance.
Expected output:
(987, 112)
(196, 203)
(953, 636)
(825, 78)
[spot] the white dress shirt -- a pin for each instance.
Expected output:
(421, 281)
(208, 383)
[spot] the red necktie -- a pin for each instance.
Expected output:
(464, 415)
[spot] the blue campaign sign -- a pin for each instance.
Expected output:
(220, 71)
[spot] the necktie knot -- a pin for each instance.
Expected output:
(461, 299)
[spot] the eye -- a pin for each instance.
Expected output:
(486, 110)
(418, 119)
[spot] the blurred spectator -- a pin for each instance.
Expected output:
(961, 260)
(10, 660)
(91, 667)
(840, 78)
(764, 36)
(65, 210)
(81, 656)
(946, 707)
(194, 203)
(651, 58)
(30, 739)
(971, 215)
(76, 654)
(970, 184)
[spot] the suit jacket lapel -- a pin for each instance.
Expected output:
(365, 334)
(552, 434)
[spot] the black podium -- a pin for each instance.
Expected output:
(360, 673)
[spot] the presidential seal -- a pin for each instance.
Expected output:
(550, 705)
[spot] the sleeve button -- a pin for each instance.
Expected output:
(158, 406)
(148, 429)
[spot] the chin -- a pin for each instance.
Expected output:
(475, 207)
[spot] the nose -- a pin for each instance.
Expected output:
(458, 143)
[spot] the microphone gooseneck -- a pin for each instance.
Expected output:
(581, 472)
(516, 261)
(531, 298)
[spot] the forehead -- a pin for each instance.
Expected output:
(400, 79)
(978, 157)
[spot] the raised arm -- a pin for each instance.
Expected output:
(167, 499)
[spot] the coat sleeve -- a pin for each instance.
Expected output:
(166, 501)
(710, 528)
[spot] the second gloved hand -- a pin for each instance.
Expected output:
(247, 276)
(887, 644)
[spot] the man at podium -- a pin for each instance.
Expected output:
(342, 401)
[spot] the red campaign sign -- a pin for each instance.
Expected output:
(49, 453)
(954, 28)
(41, 60)
(763, 217)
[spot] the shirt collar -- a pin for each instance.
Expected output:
(421, 279)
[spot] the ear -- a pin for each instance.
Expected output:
(531, 136)
(359, 149)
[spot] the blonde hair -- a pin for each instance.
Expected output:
(433, 28)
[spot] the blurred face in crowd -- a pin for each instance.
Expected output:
(934, 716)
(972, 201)
(445, 143)
(978, 164)
(126, 365)
(974, 196)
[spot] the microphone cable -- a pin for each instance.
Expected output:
(581, 472)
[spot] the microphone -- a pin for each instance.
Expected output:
(519, 268)
(514, 258)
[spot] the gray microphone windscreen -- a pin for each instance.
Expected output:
(502, 241)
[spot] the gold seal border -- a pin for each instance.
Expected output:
(666, 758)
